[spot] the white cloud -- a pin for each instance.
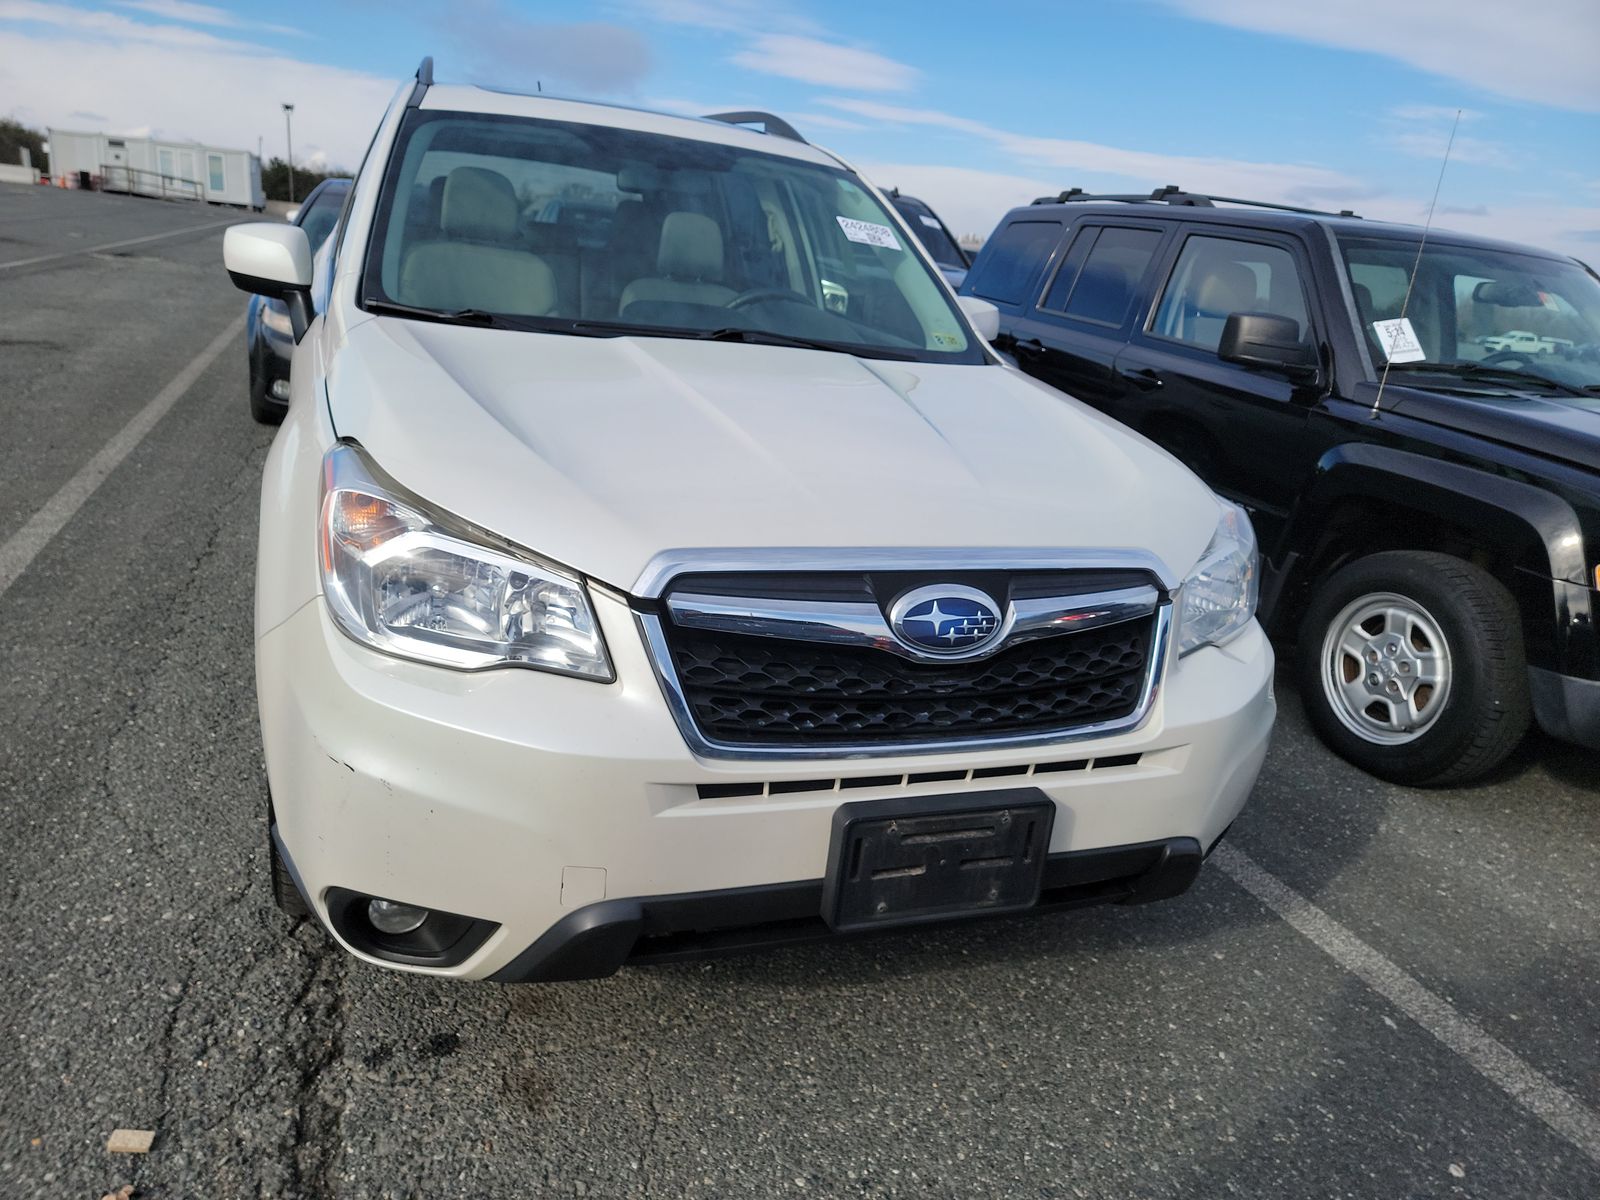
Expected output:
(1432, 144)
(1433, 112)
(503, 47)
(113, 27)
(216, 92)
(1075, 161)
(1423, 131)
(201, 14)
(802, 121)
(829, 64)
(972, 201)
(728, 16)
(1542, 51)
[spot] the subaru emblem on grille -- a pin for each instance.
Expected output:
(945, 619)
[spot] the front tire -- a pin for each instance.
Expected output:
(284, 892)
(1411, 666)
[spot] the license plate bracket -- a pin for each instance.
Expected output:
(914, 860)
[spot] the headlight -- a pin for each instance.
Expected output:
(1219, 596)
(431, 589)
(276, 318)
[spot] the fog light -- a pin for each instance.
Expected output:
(280, 389)
(388, 917)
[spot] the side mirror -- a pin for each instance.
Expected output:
(272, 260)
(1272, 343)
(984, 316)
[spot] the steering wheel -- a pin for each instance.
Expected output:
(757, 295)
(1500, 356)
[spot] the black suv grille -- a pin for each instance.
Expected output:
(763, 691)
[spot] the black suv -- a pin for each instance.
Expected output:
(935, 236)
(1430, 524)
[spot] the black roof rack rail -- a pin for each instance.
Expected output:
(424, 82)
(1173, 194)
(776, 126)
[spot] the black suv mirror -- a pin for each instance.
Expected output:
(1260, 340)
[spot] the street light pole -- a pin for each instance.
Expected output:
(288, 135)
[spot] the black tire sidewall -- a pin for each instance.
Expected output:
(1473, 684)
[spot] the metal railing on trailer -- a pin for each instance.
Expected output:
(115, 177)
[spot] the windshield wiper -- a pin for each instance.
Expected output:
(460, 316)
(766, 337)
(1489, 374)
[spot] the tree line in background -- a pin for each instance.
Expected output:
(275, 179)
(14, 135)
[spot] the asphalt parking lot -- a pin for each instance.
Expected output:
(1372, 991)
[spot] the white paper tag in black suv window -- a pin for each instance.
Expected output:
(869, 234)
(1399, 340)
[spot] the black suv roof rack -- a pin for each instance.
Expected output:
(776, 126)
(1173, 194)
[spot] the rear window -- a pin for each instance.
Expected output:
(1104, 289)
(1010, 258)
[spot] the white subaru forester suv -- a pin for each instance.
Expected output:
(657, 561)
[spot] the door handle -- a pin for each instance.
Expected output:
(1145, 379)
(1028, 347)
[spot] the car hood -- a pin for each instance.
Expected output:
(1553, 425)
(601, 453)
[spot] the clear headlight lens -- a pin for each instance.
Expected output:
(410, 584)
(1219, 596)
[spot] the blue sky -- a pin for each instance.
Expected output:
(1341, 103)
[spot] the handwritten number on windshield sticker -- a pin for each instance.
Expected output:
(1399, 340)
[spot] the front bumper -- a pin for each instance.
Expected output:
(1566, 707)
(532, 801)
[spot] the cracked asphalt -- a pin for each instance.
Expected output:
(1197, 1048)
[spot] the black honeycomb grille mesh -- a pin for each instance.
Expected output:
(770, 692)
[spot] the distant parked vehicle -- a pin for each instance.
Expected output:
(269, 340)
(1523, 342)
(1433, 555)
(934, 235)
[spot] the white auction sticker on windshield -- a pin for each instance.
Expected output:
(1399, 340)
(869, 234)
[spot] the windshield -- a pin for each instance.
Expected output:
(322, 214)
(1479, 312)
(588, 229)
(931, 233)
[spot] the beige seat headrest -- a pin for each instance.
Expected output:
(691, 247)
(1227, 288)
(479, 204)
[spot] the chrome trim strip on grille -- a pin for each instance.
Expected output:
(850, 624)
(659, 571)
(666, 673)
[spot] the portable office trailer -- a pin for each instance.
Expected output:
(154, 167)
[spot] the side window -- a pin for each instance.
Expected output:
(1010, 259)
(1216, 277)
(1105, 287)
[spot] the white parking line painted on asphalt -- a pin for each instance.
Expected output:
(20, 548)
(1551, 1103)
(153, 237)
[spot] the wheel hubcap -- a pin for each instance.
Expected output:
(1386, 668)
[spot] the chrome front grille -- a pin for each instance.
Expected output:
(806, 665)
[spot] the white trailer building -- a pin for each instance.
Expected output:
(155, 167)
